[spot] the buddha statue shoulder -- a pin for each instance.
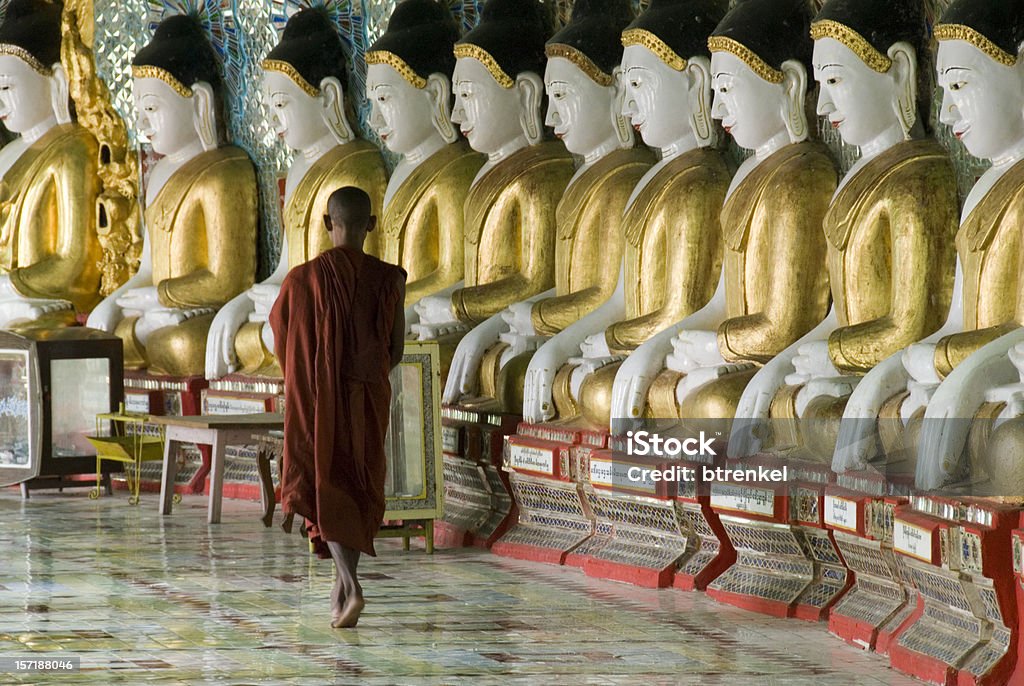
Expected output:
(672, 254)
(584, 89)
(890, 256)
(409, 88)
(302, 88)
(200, 209)
(966, 381)
(509, 223)
(775, 290)
(49, 250)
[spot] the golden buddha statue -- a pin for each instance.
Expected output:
(584, 111)
(311, 120)
(774, 289)
(510, 208)
(408, 84)
(49, 250)
(200, 209)
(673, 244)
(890, 256)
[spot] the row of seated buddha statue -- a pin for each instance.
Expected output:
(621, 284)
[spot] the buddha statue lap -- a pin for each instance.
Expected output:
(890, 256)
(302, 87)
(408, 85)
(774, 288)
(510, 208)
(200, 209)
(49, 250)
(584, 109)
(673, 245)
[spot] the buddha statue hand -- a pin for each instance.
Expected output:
(519, 317)
(694, 349)
(263, 297)
(812, 361)
(947, 420)
(538, 403)
(162, 317)
(220, 343)
(436, 318)
(751, 428)
(136, 302)
(919, 363)
(464, 373)
(595, 346)
(411, 318)
(857, 444)
(635, 376)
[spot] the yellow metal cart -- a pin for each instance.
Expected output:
(128, 443)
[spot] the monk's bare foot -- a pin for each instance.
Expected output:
(337, 601)
(350, 613)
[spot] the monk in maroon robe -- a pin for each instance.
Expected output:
(339, 328)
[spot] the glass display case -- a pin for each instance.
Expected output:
(52, 386)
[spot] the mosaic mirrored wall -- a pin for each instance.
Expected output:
(245, 30)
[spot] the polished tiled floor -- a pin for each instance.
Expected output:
(145, 599)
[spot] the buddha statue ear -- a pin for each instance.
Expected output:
(60, 99)
(204, 114)
(333, 110)
(698, 91)
(623, 129)
(439, 89)
(530, 89)
(794, 86)
(904, 73)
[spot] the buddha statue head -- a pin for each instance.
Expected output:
(666, 70)
(33, 84)
(866, 55)
(177, 88)
(497, 83)
(981, 72)
(302, 82)
(583, 77)
(760, 61)
(408, 77)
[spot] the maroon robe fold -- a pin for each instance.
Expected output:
(332, 326)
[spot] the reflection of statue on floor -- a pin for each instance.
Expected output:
(200, 209)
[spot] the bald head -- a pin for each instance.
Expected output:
(349, 217)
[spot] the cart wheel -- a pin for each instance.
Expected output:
(94, 494)
(176, 498)
(133, 500)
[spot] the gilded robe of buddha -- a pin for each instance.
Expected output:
(776, 284)
(421, 228)
(510, 231)
(202, 234)
(891, 235)
(48, 242)
(672, 261)
(353, 164)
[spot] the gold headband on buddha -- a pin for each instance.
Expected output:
(26, 57)
(484, 58)
(282, 67)
(966, 33)
(398, 64)
(749, 57)
(584, 63)
(854, 41)
(150, 72)
(648, 40)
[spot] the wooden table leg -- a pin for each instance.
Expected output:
(266, 484)
(167, 477)
(216, 477)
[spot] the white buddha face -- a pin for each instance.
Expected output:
(858, 101)
(297, 117)
(579, 110)
(164, 118)
(400, 113)
(750, 108)
(488, 115)
(656, 101)
(983, 100)
(25, 95)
